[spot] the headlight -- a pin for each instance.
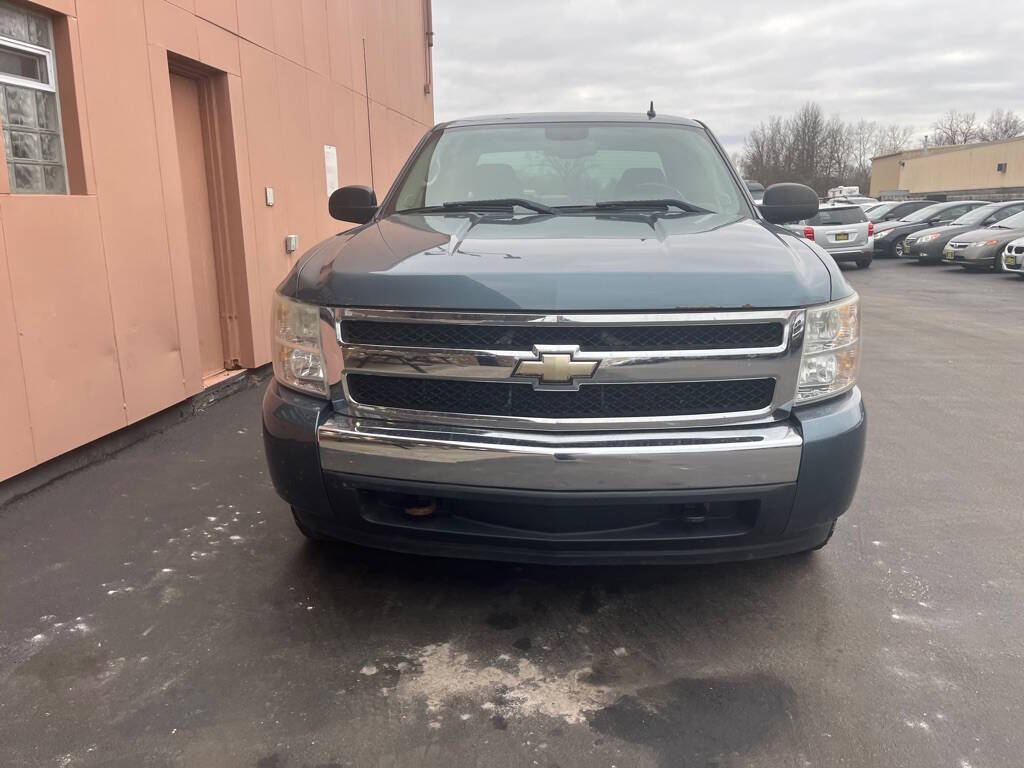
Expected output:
(297, 347)
(831, 352)
(984, 243)
(883, 234)
(929, 238)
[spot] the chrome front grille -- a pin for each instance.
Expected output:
(577, 371)
(587, 338)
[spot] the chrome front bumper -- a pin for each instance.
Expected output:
(679, 460)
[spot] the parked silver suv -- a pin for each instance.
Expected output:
(841, 229)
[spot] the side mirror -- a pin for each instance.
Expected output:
(936, 220)
(354, 203)
(787, 202)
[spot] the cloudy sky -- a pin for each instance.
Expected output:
(731, 63)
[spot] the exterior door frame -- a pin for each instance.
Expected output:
(225, 206)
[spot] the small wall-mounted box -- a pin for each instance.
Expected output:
(291, 243)
(269, 192)
(1001, 167)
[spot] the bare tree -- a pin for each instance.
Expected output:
(764, 151)
(893, 138)
(806, 129)
(863, 144)
(810, 149)
(864, 141)
(1001, 124)
(956, 128)
(836, 152)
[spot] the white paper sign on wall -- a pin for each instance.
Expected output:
(331, 167)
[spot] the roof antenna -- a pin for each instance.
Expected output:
(651, 114)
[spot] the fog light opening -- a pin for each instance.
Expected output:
(696, 513)
(421, 506)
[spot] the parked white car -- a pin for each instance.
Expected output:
(1013, 256)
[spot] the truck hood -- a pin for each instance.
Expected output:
(565, 263)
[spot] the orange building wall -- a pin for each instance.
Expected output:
(97, 323)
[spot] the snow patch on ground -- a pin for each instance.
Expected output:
(514, 689)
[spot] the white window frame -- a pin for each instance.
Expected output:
(27, 82)
(50, 56)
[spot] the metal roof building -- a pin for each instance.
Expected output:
(992, 170)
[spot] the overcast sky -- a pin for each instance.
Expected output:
(731, 63)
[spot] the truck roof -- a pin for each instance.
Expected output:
(569, 117)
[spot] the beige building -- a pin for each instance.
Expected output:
(993, 170)
(156, 156)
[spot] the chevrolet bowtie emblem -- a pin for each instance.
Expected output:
(556, 368)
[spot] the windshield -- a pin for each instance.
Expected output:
(978, 215)
(1012, 222)
(878, 212)
(923, 214)
(838, 216)
(570, 164)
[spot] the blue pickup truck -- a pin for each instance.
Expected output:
(568, 338)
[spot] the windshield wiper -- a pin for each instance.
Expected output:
(665, 202)
(485, 205)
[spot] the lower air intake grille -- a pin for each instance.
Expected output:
(592, 401)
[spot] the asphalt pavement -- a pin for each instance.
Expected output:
(159, 608)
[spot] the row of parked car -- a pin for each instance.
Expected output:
(973, 234)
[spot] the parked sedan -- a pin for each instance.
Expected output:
(928, 244)
(897, 210)
(1013, 256)
(841, 229)
(983, 248)
(890, 235)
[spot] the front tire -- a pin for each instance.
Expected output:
(897, 249)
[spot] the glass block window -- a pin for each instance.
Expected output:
(29, 112)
